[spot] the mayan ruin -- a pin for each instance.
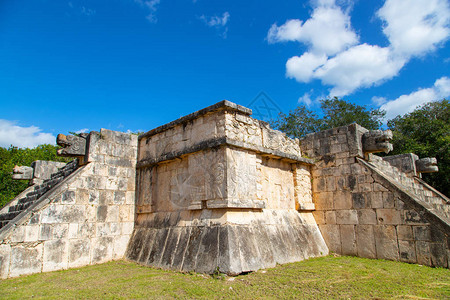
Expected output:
(220, 190)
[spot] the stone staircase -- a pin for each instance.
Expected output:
(16, 206)
(422, 191)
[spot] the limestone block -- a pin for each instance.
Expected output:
(342, 200)
(319, 217)
(388, 216)
(367, 216)
(330, 184)
(94, 196)
(79, 253)
(31, 233)
(60, 231)
(438, 255)
(26, 260)
(45, 232)
(376, 199)
(18, 234)
(348, 239)
(127, 228)
(241, 175)
(386, 242)
(414, 217)
(73, 213)
(404, 232)
(365, 241)
(52, 214)
(86, 230)
(422, 233)
(323, 201)
(332, 237)
(120, 246)
(68, 197)
(106, 197)
(348, 216)
(423, 253)
(82, 196)
(103, 229)
(360, 200)
(55, 255)
(5, 258)
(407, 251)
(102, 249)
(388, 200)
(330, 217)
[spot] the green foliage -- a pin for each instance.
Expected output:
(426, 132)
(298, 122)
(12, 156)
(336, 112)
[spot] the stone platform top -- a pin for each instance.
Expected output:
(222, 105)
(224, 123)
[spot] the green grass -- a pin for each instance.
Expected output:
(319, 278)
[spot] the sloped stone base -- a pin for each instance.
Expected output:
(273, 237)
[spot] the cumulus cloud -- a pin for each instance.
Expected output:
(336, 58)
(218, 22)
(328, 31)
(360, 66)
(407, 103)
(302, 68)
(151, 5)
(23, 137)
(415, 27)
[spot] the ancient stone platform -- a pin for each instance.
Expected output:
(219, 190)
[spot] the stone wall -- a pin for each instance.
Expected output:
(366, 207)
(86, 218)
(220, 190)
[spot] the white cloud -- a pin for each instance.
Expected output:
(305, 99)
(23, 137)
(151, 6)
(407, 103)
(84, 130)
(378, 101)
(218, 22)
(360, 66)
(328, 31)
(415, 27)
(302, 68)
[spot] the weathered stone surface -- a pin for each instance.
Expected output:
(386, 242)
(377, 141)
(72, 145)
(26, 260)
(22, 173)
(407, 251)
(79, 215)
(427, 165)
(231, 248)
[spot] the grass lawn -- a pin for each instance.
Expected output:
(318, 278)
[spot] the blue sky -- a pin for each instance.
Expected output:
(136, 64)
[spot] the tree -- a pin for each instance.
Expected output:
(336, 112)
(12, 156)
(426, 132)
